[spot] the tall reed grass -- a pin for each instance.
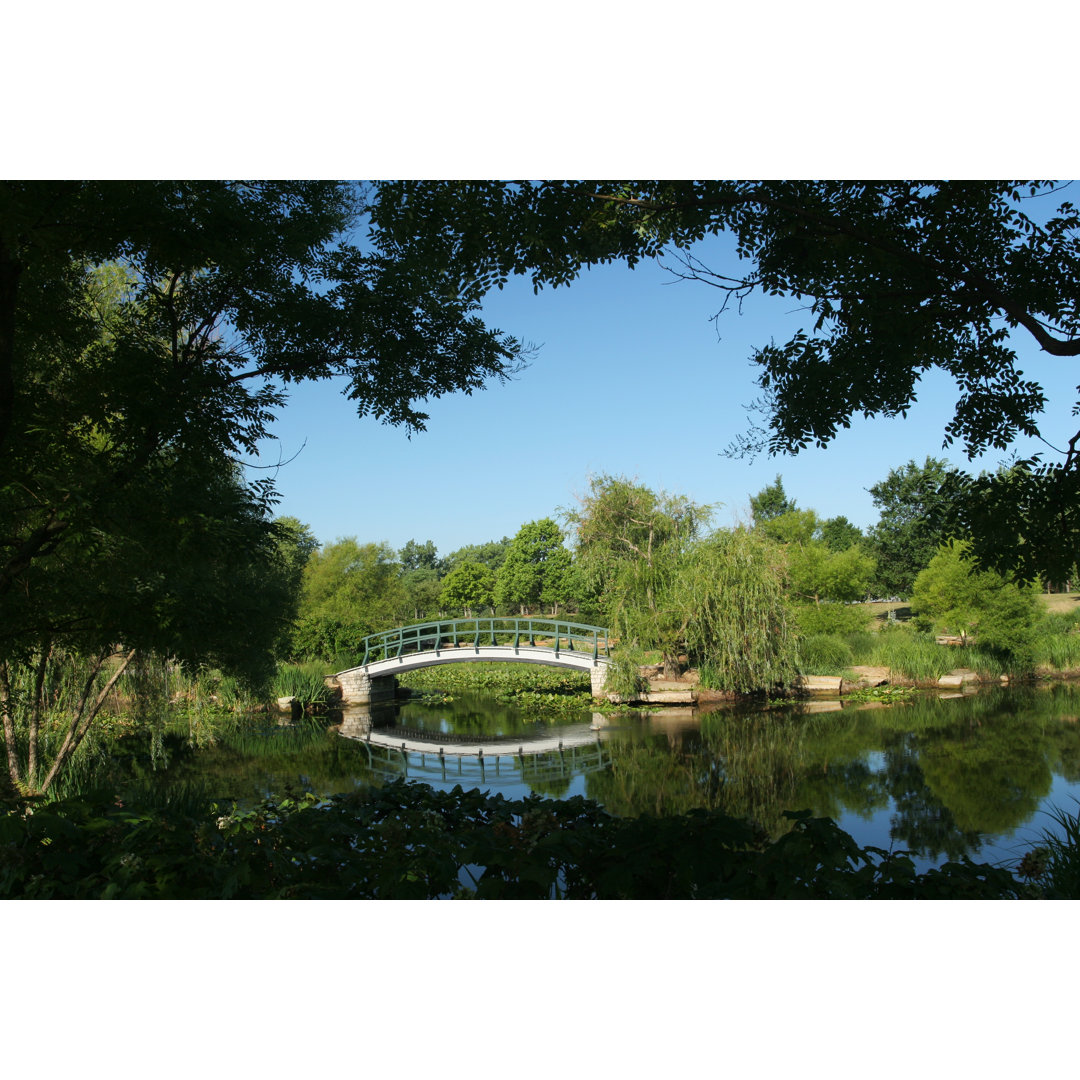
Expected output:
(305, 682)
(1055, 863)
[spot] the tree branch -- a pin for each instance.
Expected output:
(972, 278)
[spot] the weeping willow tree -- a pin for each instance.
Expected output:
(663, 585)
(630, 544)
(738, 625)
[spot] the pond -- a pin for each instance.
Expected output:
(940, 776)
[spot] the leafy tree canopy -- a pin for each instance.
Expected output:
(839, 534)
(898, 277)
(629, 540)
(491, 554)
(357, 582)
(916, 517)
(771, 502)
(469, 586)
(416, 556)
(146, 322)
(955, 596)
(535, 568)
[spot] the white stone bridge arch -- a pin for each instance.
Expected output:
(549, 642)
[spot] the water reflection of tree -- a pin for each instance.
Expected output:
(921, 823)
(653, 776)
(954, 770)
(555, 786)
(247, 758)
(475, 715)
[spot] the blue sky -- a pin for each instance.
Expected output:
(631, 378)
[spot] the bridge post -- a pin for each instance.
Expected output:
(359, 688)
(598, 679)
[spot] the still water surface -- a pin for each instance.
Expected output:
(939, 777)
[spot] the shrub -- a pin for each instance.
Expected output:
(917, 656)
(824, 654)
(835, 619)
(409, 842)
(862, 644)
(305, 682)
(624, 674)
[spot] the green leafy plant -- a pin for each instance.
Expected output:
(406, 841)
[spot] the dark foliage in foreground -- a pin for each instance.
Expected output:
(407, 841)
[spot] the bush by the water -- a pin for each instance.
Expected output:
(825, 654)
(837, 619)
(306, 682)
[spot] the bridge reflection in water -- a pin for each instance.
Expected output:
(397, 751)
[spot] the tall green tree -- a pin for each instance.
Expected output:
(491, 554)
(350, 580)
(915, 504)
(739, 627)
(421, 574)
(953, 595)
(417, 556)
(535, 569)
(629, 539)
(771, 502)
(896, 278)
(469, 587)
(816, 573)
(838, 534)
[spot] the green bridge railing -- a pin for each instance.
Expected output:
(455, 633)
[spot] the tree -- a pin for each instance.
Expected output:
(469, 585)
(817, 571)
(231, 291)
(838, 534)
(148, 333)
(897, 277)
(423, 588)
(629, 540)
(535, 567)
(915, 503)
(194, 571)
(817, 574)
(492, 554)
(421, 571)
(953, 595)
(771, 502)
(739, 628)
(356, 585)
(791, 527)
(425, 556)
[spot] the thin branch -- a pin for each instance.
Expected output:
(982, 285)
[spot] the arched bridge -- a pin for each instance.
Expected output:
(552, 642)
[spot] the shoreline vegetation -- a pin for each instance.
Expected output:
(409, 841)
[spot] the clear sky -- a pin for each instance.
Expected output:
(631, 377)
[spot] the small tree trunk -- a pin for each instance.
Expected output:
(84, 715)
(36, 710)
(672, 667)
(9, 727)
